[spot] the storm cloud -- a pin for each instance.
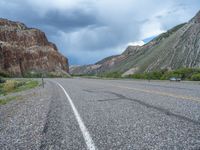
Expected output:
(88, 30)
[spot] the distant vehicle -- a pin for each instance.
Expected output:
(175, 79)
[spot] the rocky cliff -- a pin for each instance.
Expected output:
(24, 50)
(178, 47)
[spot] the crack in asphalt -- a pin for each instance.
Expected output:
(53, 131)
(160, 109)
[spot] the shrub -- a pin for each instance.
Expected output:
(137, 76)
(19, 83)
(1, 89)
(154, 75)
(111, 75)
(170, 74)
(2, 80)
(9, 85)
(32, 74)
(196, 77)
(3, 74)
(183, 73)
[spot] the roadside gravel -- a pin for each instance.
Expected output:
(22, 120)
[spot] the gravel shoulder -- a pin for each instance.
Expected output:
(39, 119)
(22, 120)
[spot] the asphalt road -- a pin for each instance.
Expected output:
(120, 114)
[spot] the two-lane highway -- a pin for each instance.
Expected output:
(123, 114)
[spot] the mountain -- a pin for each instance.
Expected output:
(24, 50)
(178, 47)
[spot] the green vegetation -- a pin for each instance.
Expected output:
(29, 84)
(183, 73)
(196, 77)
(151, 75)
(56, 75)
(111, 75)
(102, 75)
(84, 75)
(191, 74)
(3, 74)
(8, 99)
(2, 80)
(1, 89)
(33, 74)
(11, 86)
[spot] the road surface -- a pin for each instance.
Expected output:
(121, 114)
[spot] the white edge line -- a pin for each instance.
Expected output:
(88, 140)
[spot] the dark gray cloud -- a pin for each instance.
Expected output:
(68, 21)
(86, 31)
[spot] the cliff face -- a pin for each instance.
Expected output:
(23, 50)
(178, 47)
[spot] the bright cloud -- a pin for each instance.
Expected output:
(137, 43)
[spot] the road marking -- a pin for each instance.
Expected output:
(197, 99)
(88, 140)
(161, 93)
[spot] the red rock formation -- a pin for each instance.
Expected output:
(23, 50)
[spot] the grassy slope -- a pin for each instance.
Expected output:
(145, 57)
(156, 54)
(21, 85)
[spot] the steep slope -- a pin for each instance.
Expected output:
(24, 50)
(179, 47)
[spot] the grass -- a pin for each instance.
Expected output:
(33, 74)
(27, 85)
(11, 86)
(1, 89)
(8, 99)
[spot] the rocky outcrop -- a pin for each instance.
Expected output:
(178, 47)
(24, 50)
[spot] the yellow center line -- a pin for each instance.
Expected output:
(161, 93)
(197, 99)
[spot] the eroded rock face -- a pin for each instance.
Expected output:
(196, 18)
(24, 49)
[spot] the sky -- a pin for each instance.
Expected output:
(86, 31)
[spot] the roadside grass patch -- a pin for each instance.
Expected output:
(1, 89)
(11, 86)
(27, 85)
(34, 74)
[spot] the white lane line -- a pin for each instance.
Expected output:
(88, 140)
